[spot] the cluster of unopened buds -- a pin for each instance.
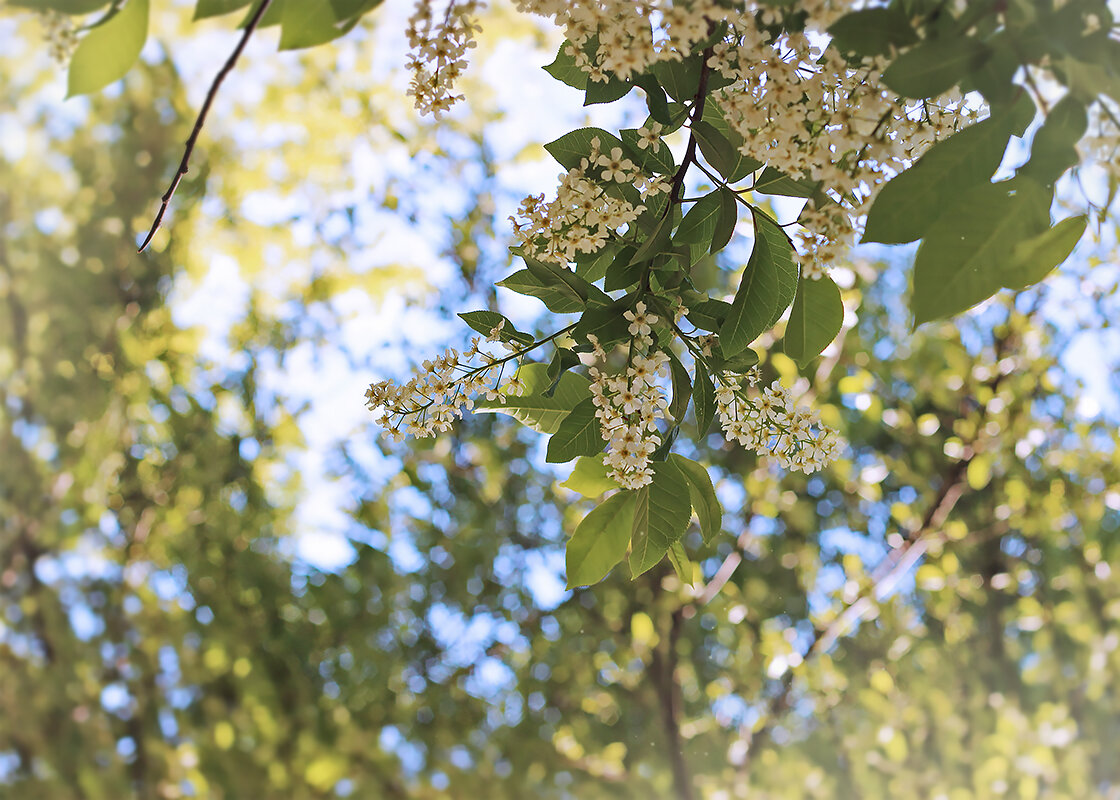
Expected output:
(437, 394)
(768, 422)
(629, 404)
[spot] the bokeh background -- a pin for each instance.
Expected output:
(217, 581)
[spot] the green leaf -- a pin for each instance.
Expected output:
(681, 79)
(600, 540)
(702, 495)
(556, 297)
(605, 322)
(541, 413)
(909, 205)
(613, 88)
(562, 361)
(564, 69)
(655, 97)
(660, 162)
(872, 31)
(563, 279)
(960, 261)
(590, 478)
(1032, 259)
(703, 400)
(656, 242)
(64, 6)
(681, 565)
(815, 319)
(699, 224)
(738, 363)
(933, 67)
(572, 147)
(725, 223)
(274, 15)
(592, 267)
(661, 515)
(771, 181)
(708, 315)
(682, 387)
(578, 435)
(766, 289)
(308, 23)
(486, 321)
(721, 153)
(1054, 150)
(107, 52)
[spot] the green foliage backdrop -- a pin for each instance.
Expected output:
(932, 615)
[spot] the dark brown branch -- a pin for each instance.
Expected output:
(184, 165)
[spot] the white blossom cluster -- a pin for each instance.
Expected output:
(583, 215)
(629, 404)
(437, 394)
(61, 34)
(438, 46)
(769, 423)
(813, 116)
(627, 44)
(809, 114)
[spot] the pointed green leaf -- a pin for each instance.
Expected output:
(681, 565)
(699, 224)
(702, 495)
(564, 69)
(933, 67)
(815, 319)
(722, 153)
(1053, 149)
(765, 290)
(909, 205)
(308, 23)
(872, 31)
(682, 387)
(704, 400)
(605, 91)
(771, 181)
(486, 321)
(959, 262)
(661, 515)
(725, 223)
(708, 315)
(572, 147)
(108, 50)
(64, 6)
(578, 435)
(606, 323)
(1033, 259)
(600, 540)
(541, 413)
(590, 478)
(660, 162)
(557, 297)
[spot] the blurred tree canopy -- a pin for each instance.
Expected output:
(932, 616)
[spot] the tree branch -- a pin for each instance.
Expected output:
(663, 669)
(184, 164)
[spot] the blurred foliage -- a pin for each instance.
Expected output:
(159, 640)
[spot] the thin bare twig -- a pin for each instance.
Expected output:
(184, 165)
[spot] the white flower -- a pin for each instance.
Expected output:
(650, 137)
(640, 321)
